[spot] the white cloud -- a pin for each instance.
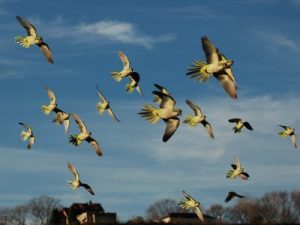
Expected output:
(124, 32)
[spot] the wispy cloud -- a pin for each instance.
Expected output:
(279, 42)
(193, 10)
(124, 32)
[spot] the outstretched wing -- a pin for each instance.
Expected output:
(162, 89)
(73, 171)
(171, 127)
(248, 126)
(227, 83)
(94, 145)
(234, 120)
(80, 123)
(51, 96)
(100, 94)
(208, 128)
(199, 214)
(112, 114)
(124, 59)
(31, 31)
(25, 125)
(210, 51)
(294, 140)
(194, 107)
(88, 188)
(45, 49)
(167, 101)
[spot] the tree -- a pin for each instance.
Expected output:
(216, 211)
(162, 208)
(41, 208)
(14, 216)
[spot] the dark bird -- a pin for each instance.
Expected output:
(76, 182)
(33, 39)
(289, 131)
(240, 124)
(231, 195)
(217, 65)
(199, 117)
(27, 135)
(167, 112)
(84, 135)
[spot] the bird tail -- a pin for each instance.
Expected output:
(183, 203)
(129, 88)
(46, 110)
(150, 113)
(189, 120)
(74, 140)
(99, 108)
(117, 76)
(229, 174)
(22, 41)
(24, 135)
(198, 71)
(282, 134)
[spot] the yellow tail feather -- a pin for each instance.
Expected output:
(150, 113)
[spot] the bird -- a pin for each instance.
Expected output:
(84, 135)
(126, 70)
(104, 105)
(231, 195)
(217, 65)
(134, 79)
(199, 117)
(62, 118)
(289, 131)
(167, 112)
(27, 135)
(77, 182)
(47, 109)
(191, 203)
(161, 89)
(33, 39)
(239, 124)
(237, 171)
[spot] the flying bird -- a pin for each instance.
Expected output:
(289, 131)
(239, 124)
(217, 65)
(33, 39)
(237, 171)
(161, 89)
(126, 70)
(191, 203)
(77, 182)
(47, 109)
(103, 105)
(27, 135)
(167, 112)
(231, 195)
(199, 117)
(134, 79)
(84, 135)
(62, 118)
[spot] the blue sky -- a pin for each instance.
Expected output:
(161, 38)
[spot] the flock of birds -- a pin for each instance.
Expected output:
(216, 64)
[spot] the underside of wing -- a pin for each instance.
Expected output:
(80, 123)
(124, 59)
(73, 171)
(171, 127)
(31, 31)
(46, 52)
(94, 145)
(227, 83)
(210, 50)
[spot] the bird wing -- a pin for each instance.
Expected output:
(167, 101)
(172, 125)
(51, 96)
(100, 95)
(31, 31)
(248, 126)
(25, 125)
(194, 107)
(162, 89)
(80, 123)
(227, 82)
(284, 127)
(73, 171)
(294, 140)
(199, 214)
(88, 188)
(45, 49)
(112, 114)
(188, 196)
(94, 145)
(31, 142)
(208, 128)
(210, 51)
(124, 59)
(244, 176)
(234, 120)
(66, 125)
(230, 195)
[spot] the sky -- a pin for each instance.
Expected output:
(161, 39)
